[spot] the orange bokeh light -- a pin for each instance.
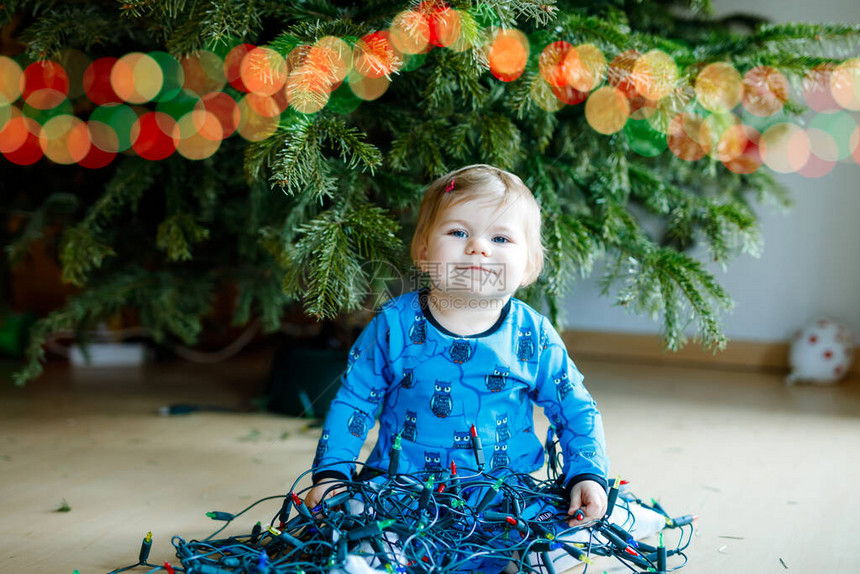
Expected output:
(253, 126)
(738, 149)
(718, 87)
(375, 56)
(65, 139)
(315, 71)
(332, 55)
(607, 110)
(136, 78)
(445, 26)
(764, 91)
(10, 80)
(784, 147)
(585, 67)
(410, 32)
(263, 71)
(13, 131)
(552, 63)
(268, 106)
(620, 73)
(508, 52)
(198, 134)
(368, 89)
(19, 141)
(224, 108)
(689, 137)
(204, 72)
(655, 75)
(845, 84)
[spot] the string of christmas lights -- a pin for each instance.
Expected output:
(154, 105)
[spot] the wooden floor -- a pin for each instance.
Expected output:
(771, 471)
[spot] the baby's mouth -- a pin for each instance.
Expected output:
(476, 268)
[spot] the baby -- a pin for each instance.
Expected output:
(464, 358)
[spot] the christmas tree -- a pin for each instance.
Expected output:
(639, 125)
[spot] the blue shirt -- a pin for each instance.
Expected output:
(430, 386)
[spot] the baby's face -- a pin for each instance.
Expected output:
(478, 249)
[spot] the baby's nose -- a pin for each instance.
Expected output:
(479, 245)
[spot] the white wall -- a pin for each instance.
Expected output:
(810, 266)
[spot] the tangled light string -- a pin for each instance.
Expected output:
(154, 105)
(404, 524)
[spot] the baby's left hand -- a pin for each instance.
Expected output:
(589, 497)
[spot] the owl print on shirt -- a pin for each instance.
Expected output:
(357, 424)
(563, 385)
(418, 330)
(375, 396)
(498, 380)
(354, 355)
(503, 433)
(441, 403)
(410, 426)
(460, 351)
(500, 456)
(408, 380)
(462, 440)
(525, 345)
(322, 447)
(433, 463)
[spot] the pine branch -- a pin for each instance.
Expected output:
(299, 165)
(260, 155)
(497, 139)
(34, 230)
(768, 33)
(166, 305)
(571, 248)
(661, 280)
(176, 234)
(226, 20)
(329, 260)
(419, 147)
(81, 252)
(507, 13)
(78, 25)
(351, 142)
(314, 29)
(258, 293)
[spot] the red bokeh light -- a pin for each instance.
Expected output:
(224, 108)
(97, 84)
(153, 135)
(233, 65)
(26, 150)
(45, 85)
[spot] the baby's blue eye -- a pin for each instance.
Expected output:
(500, 239)
(457, 233)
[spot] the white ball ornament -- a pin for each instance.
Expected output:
(820, 353)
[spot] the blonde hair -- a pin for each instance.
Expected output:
(481, 181)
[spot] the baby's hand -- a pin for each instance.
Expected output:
(320, 491)
(589, 498)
